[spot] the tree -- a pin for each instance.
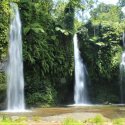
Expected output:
(121, 3)
(106, 13)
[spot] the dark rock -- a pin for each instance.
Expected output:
(3, 105)
(3, 65)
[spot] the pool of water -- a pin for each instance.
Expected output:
(108, 111)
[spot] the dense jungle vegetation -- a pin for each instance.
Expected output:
(48, 27)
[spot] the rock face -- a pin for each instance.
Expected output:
(3, 65)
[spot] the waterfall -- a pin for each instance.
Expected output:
(15, 79)
(80, 94)
(122, 72)
(122, 78)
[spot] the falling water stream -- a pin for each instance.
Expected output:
(122, 78)
(122, 72)
(80, 94)
(15, 79)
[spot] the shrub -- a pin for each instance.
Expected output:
(71, 121)
(120, 121)
(98, 120)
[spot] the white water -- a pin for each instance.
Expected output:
(15, 79)
(80, 94)
(122, 72)
(122, 77)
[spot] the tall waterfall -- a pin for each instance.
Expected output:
(15, 79)
(122, 78)
(80, 94)
(122, 72)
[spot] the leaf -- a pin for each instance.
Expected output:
(53, 37)
(36, 27)
(100, 44)
(57, 28)
(26, 30)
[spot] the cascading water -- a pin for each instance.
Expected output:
(122, 78)
(122, 73)
(15, 79)
(80, 94)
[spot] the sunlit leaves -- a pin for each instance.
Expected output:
(35, 27)
(4, 28)
(62, 31)
(106, 13)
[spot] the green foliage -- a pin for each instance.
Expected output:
(98, 120)
(21, 119)
(46, 97)
(4, 27)
(121, 3)
(101, 49)
(119, 121)
(9, 121)
(69, 16)
(105, 95)
(106, 13)
(71, 121)
(47, 52)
